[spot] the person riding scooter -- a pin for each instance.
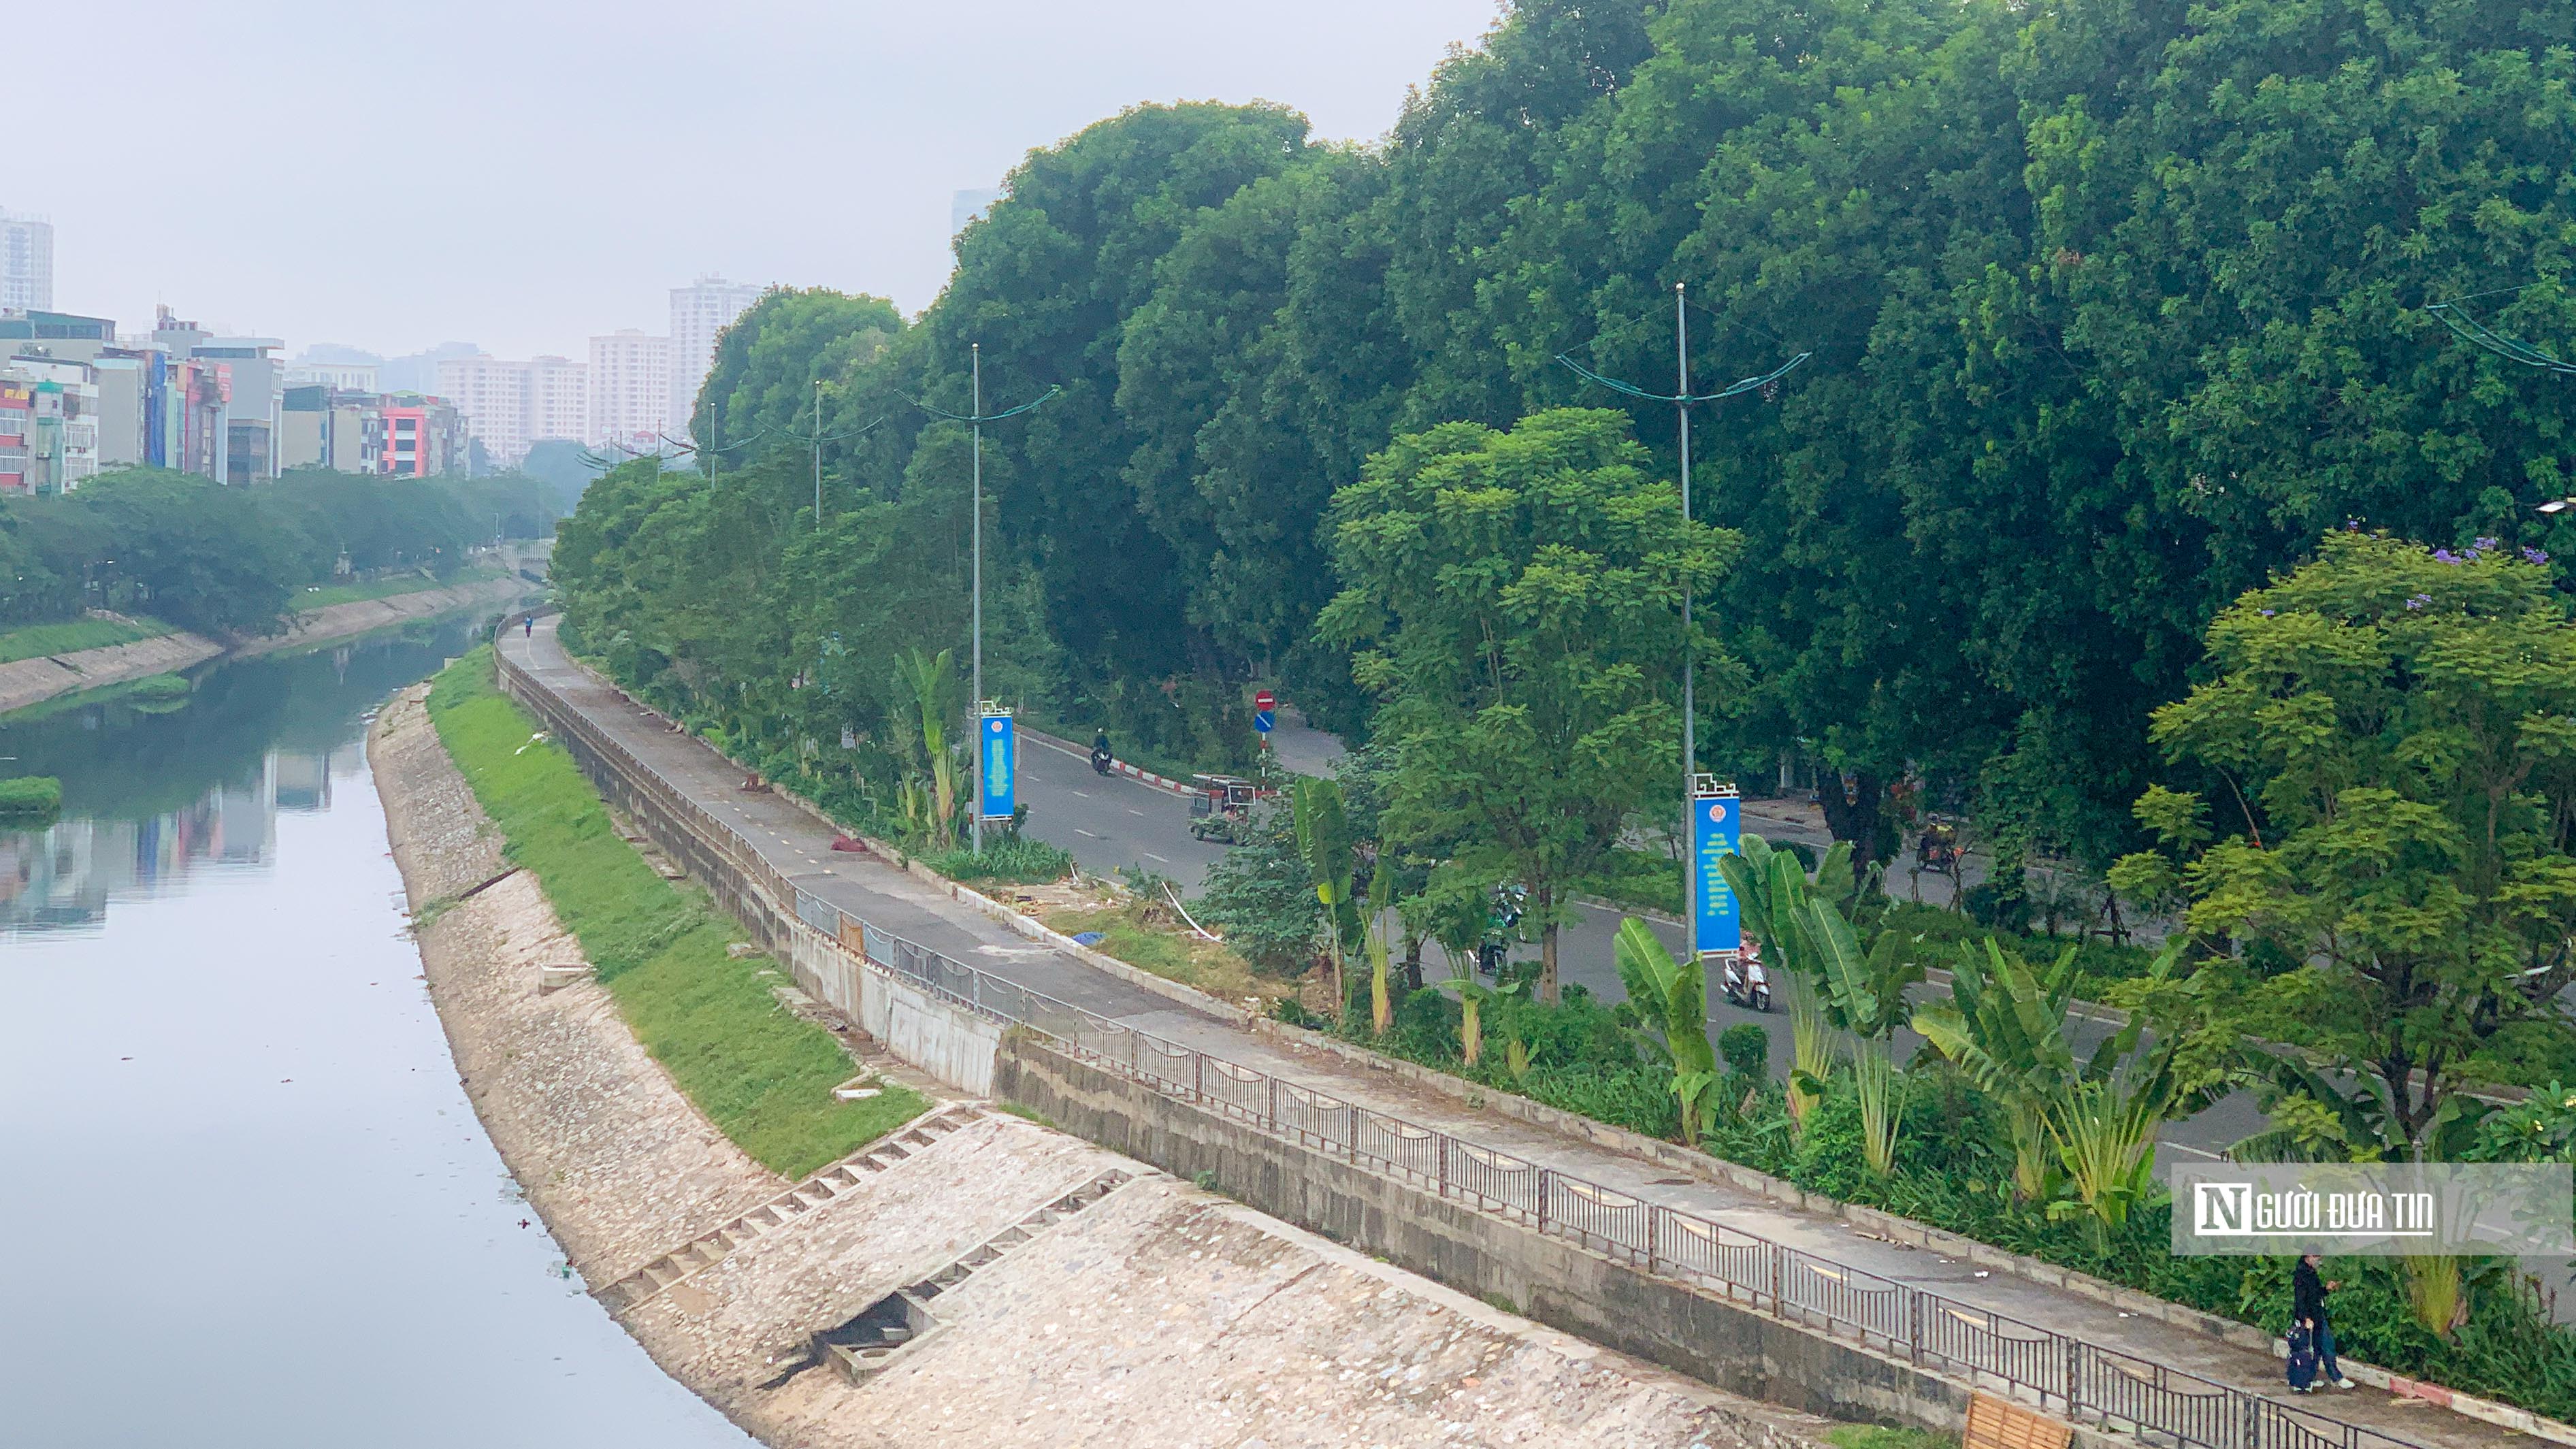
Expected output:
(1101, 759)
(1746, 982)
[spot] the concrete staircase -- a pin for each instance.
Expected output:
(868, 1344)
(706, 1251)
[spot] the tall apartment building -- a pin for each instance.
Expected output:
(492, 396)
(699, 311)
(346, 376)
(630, 388)
(26, 263)
(509, 405)
(558, 399)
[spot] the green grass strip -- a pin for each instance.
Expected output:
(759, 1072)
(34, 641)
(385, 588)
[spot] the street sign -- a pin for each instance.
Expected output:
(1717, 830)
(999, 758)
(1262, 720)
(1265, 710)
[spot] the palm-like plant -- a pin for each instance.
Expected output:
(1673, 998)
(1772, 893)
(2006, 1030)
(1324, 842)
(2105, 1133)
(1473, 997)
(928, 678)
(1864, 996)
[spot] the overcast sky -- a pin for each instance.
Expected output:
(525, 173)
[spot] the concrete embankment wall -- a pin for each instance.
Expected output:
(1728, 1344)
(33, 681)
(953, 1045)
(1555, 1281)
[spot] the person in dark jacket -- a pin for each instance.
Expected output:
(2308, 1306)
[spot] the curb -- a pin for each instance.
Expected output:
(1873, 1221)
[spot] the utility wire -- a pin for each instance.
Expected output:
(1732, 389)
(2470, 330)
(988, 417)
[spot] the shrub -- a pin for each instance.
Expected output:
(30, 795)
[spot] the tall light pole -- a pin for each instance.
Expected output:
(818, 455)
(1682, 398)
(976, 419)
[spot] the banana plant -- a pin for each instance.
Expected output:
(1473, 997)
(1864, 996)
(2005, 1028)
(1380, 916)
(1772, 895)
(928, 678)
(1324, 843)
(1673, 998)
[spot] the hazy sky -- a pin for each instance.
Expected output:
(524, 173)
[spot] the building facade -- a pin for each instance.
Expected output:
(630, 388)
(700, 311)
(26, 263)
(492, 395)
(558, 400)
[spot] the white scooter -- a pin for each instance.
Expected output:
(1746, 983)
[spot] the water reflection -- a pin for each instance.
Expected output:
(153, 791)
(229, 1121)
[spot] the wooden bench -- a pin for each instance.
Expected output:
(1996, 1424)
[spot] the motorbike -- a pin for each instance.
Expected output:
(1101, 759)
(1747, 983)
(1504, 915)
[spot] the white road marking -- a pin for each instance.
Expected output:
(1149, 855)
(1078, 830)
(1132, 810)
(1085, 794)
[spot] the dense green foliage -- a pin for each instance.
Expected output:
(761, 1074)
(30, 795)
(191, 552)
(2116, 306)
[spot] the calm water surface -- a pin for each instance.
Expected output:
(244, 1198)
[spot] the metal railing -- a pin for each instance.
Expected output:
(2155, 1401)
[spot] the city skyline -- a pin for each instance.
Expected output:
(517, 256)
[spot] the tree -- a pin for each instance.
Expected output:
(1263, 897)
(1324, 843)
(1513, 598)
(2395, 731)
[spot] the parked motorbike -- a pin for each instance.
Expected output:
(1747, 983)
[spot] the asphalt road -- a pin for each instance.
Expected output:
(1112, 822)
(1109, 822)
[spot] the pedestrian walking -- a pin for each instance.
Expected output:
(531, 621)
(2316, 1358)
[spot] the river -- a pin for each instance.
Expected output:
(244, 1199)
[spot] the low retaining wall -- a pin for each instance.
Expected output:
(1732, 1345)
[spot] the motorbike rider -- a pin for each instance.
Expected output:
(1100, 756)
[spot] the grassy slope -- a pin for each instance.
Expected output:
(762, 1075)
(35, 640)
(385, 588)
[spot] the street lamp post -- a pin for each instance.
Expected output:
(977, 418)
(1682, 398)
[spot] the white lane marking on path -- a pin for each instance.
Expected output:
(1132, 810)
(1078, 830)
(1085, 794)
(1149, 855)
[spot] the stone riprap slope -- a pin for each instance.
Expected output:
(622, 1168)
(1156, 1314)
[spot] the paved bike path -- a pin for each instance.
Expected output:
(800, 848)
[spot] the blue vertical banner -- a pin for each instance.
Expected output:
(1000, 765)
(1717, 829)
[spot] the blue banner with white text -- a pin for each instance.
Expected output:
(1000, 756)
(1717, 829)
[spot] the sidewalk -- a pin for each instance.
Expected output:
(798, 847)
